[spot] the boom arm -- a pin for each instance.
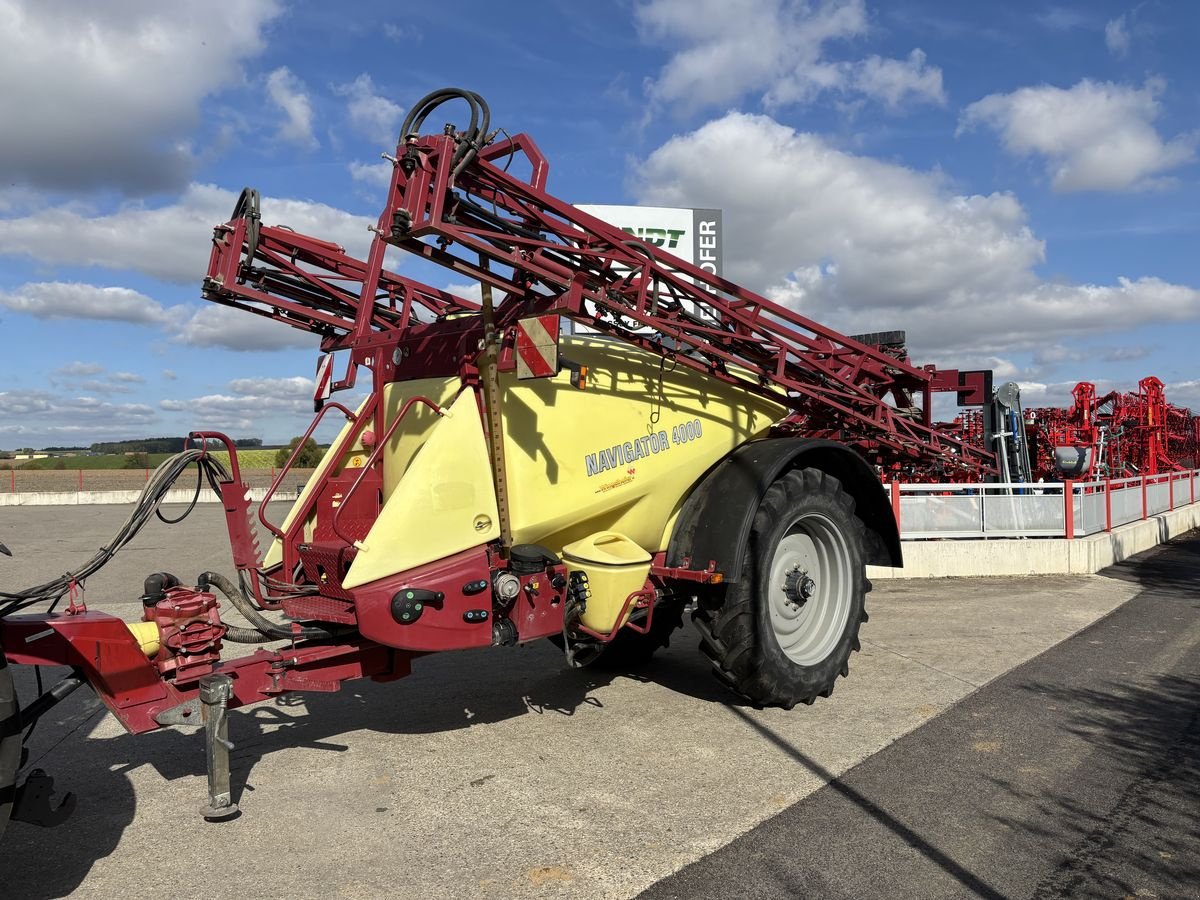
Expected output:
(453, 200)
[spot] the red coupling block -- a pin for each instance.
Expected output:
(190, 632)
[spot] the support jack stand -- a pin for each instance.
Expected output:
(215, 694)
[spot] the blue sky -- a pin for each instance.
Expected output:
(1013, 184)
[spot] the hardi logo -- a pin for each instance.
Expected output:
(657, 237)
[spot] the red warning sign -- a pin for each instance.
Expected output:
(324, 381)
(537, 347)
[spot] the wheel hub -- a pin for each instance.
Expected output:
(798, 586)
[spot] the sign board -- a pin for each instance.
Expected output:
(694, 235)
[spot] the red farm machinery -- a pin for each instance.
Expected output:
(1114, 435)
(609, 438)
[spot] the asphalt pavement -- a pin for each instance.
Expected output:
(1075, 775)
(501, 773)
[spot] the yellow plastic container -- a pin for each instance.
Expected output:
(147, 636)
(615, 567)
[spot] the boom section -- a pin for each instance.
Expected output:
(313, 284)
(475, 215)
(481, 219)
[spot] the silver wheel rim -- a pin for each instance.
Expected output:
(810, 589)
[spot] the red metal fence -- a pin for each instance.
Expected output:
(1067, 509)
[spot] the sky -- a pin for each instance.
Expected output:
(1014, 185)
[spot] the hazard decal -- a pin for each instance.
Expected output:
(324, 381)
(537, 347)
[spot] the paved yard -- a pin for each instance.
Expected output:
(492, 773)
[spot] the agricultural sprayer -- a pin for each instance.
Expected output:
(610, 437)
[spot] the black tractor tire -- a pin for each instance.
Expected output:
(803, 511)
(10, 742)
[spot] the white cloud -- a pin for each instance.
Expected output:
(469, 291)
(778, 48)
(1116, 37)
(79, 376)
(295, 386)
(210, 325)
(1058, 18)
(108, 94)
(169, 375)
(1002, 369)
(863, 245)
(398, 33)
(38, 417)
(377, 174)
(170, 242)
(248, 403)
(236, 329)
(288, 93)
(73, 300)
(1184, 393)
(96, 386)
(892, 81)
(1124, 354)
(1093, 136)
(372, 115)
(79, 369)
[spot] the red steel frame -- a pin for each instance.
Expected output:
(136, 693)
(1141, 432)
(545, 257)
(562, 260)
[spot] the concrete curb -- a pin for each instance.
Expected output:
(1039, 556)
(84, 498)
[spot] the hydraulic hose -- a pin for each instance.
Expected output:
(470, 140)
(147, 506)
(240, 635)
(270, 630)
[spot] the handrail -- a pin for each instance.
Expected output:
(379, 445)
(1049, 487)
(262, 506)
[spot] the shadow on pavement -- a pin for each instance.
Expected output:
(1148, 736)
(445, 692)
(1167, 565)
(786, 880)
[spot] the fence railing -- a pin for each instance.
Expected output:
(1067, 509)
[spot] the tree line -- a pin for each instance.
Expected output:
(158, 445)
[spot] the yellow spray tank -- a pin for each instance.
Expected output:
(618, 456)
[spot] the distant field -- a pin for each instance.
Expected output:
(248, 459)
(107, 461)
